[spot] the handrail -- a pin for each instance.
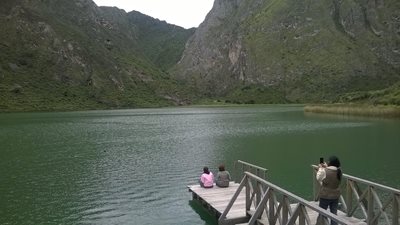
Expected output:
(367, 182)
(252, 167)
(372, 184)
(367, 200)
(277, 211)
(298, 199)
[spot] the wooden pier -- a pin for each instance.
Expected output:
(257, 201)
(216, 200)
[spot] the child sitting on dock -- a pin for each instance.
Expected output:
(223, 177)
(207, 178)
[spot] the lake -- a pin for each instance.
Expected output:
(133, 166)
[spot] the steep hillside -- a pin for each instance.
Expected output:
(293, 51)
(387, 96)
(63, 55)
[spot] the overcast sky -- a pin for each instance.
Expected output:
(184, 13)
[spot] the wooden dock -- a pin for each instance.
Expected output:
(216, 200)
(256, 201)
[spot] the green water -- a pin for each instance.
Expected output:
(132, 166)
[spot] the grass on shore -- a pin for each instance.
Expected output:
(356, 110)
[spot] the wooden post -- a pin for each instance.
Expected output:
(395, 214)
(349, 197)
(248, 198)
(316, 185)
(285, 209)
(302, 217)
(370, 210)
(271, 205)
(258, 192)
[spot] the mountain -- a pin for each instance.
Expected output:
(68, 55)
(275, 51)
(74, 55)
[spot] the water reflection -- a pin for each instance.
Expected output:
(203, 213)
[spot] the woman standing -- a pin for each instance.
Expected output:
(330, 175)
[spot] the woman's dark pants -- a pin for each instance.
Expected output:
(332, 204)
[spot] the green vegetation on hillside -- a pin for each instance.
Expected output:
(72, 55)
(387, 96)
(379, 103)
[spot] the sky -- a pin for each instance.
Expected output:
(184, 13)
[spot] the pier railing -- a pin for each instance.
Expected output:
(376, 203)
(266, 201)
(248, 167)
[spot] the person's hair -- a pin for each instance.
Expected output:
(334, 161)
(205, 170)
(221, 167)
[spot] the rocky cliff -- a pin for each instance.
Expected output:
(63, 55)
(293, 51)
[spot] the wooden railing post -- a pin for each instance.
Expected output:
(395, 209)
(370, 204)
(261, 191)
(248, 197)
(271, 206)
(302, 216)
(285, 209)
(349, 197)
(316, 185)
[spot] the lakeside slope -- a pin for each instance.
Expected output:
(383, 111)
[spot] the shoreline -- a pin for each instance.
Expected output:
(382, 111)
